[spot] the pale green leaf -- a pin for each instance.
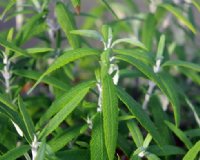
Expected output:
(184, 64)
(88, 33)
(196, 4)
(135, 133)
(133, 41)
(192, 153)
(178, 14)
(161, 46)
(34, 51)
(10, 4)
(41, 151)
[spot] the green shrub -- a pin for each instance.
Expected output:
(117, 81)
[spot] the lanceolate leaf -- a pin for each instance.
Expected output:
(97, 144)
(88, 33)
(12, 47)
(64, 100)
(41, 151)
(140, 115)
(184, 64)
(8, 7)
(135, 133)
(67, 57)
(64, 112)
(50, 80)
(133, 41)
(136, 53)
(196, 4)
(180, 134)
(192, 153)
(110, 115)
(15, 153)
(178, 14)
(26, 118)
(60, 141)
(5, 100)
(156, 79)
(67, 23)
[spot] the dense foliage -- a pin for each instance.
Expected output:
(99, 80)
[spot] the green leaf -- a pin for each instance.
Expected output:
(180, 134)
(135, 133)
(50, 80)
(97, 145)
(76, 3)
(35, 25)
(161, 46)
(67, 57)
(140, 115)
(136, 53)
(193, 133)
(133, 41)
(26, 118)
(151, 156)
(110, 115)
(12, 47)
(66, 99)
(88, 33)
(74, 154)
(156, 79)
(184, 64)
(178, 14)
(109, 8)
(34, 51)
(10, 4)
(196, 4)
(63, 111)
(147, 140)
(192, 153)
(41, 151)
(67, 23)
(15, 153)
(6, 101)
(148, 31)
(60, 141)
(167, 150)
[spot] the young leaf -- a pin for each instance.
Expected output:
(133, 41)
(33, 51)
(147, 140)
(77, 5)
(135, 133)
(67, 23)
(196, 4)
(67, 57)
(180, 134)
(15, 153)
(88, 33)
(151, 156)
(192, 153)
(12, 47)
(64, 112)
(184, 64)
(97, 144)
(60, 141)
(161, 47)
(64, 100)
(26, 118)
(178, 14)
(110, 115)
(140, 115)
